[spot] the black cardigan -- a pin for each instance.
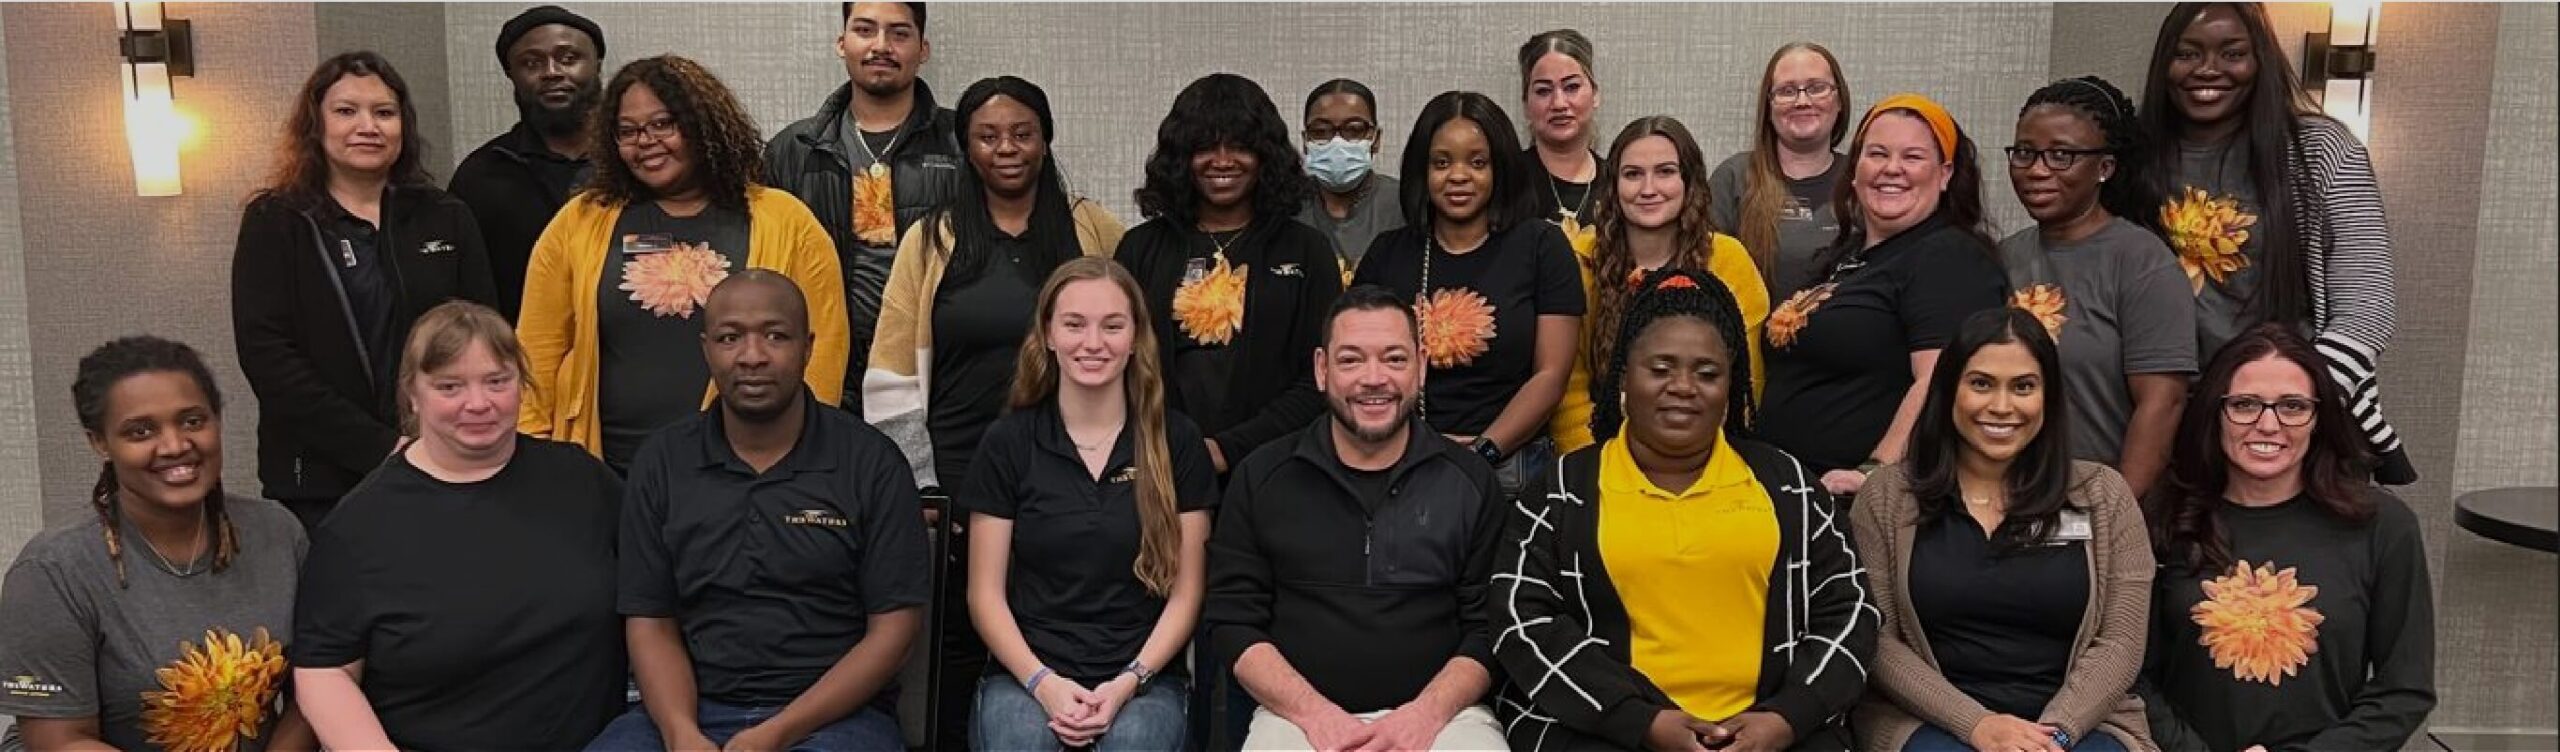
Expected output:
(322, 421)
(1569, 680)
(1292, 280)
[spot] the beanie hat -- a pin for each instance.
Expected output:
(543, 16)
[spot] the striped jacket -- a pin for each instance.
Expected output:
(2346, 251)
(1570, 683)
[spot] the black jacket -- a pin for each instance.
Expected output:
(1818, 630)
(503, 182)
(322, 421)
(1367, 605)
(808, 160)
(1292, 279)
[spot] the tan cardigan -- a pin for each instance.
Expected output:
(894, 383)
(1906, 689)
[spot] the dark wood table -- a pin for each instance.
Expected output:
(2528, 517)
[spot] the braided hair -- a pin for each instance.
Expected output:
(1672, 292)
(100, 372)
(2131, 194)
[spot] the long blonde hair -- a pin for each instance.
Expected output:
(1764, 191)
(1035, 381)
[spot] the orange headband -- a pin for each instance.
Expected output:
(1939, 123)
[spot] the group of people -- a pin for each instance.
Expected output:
(640, 435)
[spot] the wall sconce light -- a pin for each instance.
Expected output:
(2338, 64)
(153, 49)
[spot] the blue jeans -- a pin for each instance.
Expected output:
(867, 730)
(1929, 738)
(1008, 719)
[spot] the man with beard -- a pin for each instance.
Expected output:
(772, 575)
(515, 182)
(876, 156)
(1350, 566)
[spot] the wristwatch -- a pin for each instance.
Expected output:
(1139, 670)
(2062, 738)
(1485, 447)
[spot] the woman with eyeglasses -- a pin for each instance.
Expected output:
(2292, 609)
(2095, 271)
(2272, 206)
(610, 321)
(1776, 197)
(1355, 202)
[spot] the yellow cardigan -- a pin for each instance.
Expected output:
(558, 323)
(1570, 425)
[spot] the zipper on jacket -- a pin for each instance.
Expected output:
(346, 309)
(1368, 533)
(297, 473)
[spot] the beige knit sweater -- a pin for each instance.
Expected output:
(1905, 687)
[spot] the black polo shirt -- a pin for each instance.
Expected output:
(1072, 585)
(2009, 646)
(367, 278)
(772, 576)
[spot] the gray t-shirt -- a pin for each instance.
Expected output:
(75, 645)
(2219, 173)
(2127, 312)
(1378, 210)
(1805, 223)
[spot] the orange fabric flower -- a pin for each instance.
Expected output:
(1210, 309)
(875, 209)
(1792, 315)
(2257, 622)
(1581, 238)
(674, 283)
(2208, 233)
(215, 695)
(2046, 302)
(1457, 326)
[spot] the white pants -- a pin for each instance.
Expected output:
(1471, 730)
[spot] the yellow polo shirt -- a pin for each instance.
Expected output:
(1692, 568)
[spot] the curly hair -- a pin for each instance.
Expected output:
(1674, 292)
(100, 371)
(301, 174)
(1693, 233)
(2131, 195)
(1223, 108)
(728, 150)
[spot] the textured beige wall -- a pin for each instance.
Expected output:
(21, 487)
(101, 262)
(411, 36)
(1112, 69)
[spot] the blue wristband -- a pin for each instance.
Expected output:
(1036, 676)
(2062, 738)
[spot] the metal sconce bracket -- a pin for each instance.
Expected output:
(2322, 61)
(174, 44)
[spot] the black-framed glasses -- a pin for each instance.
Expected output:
(658, 129)
(2290, 411)
(1812, 91)
(1356, 130)
(2057, 158)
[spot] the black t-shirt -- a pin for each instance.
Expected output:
(483, 611)
(649, 368)
(1371, 485)
(1556, 195)
(1834, 385)
(978, 327)
(1482, 341)
(1204, 370)
(368, 279)
(1071, 585)
(2008, 647)
(771, 576)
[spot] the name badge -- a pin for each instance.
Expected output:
(1195, 270)
(1126, 474)
(2075, 527)
(643, 243)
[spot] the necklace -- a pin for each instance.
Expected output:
(1573, 212)
(1220, 246)
(191, 570)
(877, 169)
(1098, 446)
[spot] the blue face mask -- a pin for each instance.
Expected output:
(1339, 163)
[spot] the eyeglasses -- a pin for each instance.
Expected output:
(658, 129)
(1356, 130)
(2058, 158)
(2246, 410)
(1812, 91)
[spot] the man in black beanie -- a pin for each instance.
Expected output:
(515, 182)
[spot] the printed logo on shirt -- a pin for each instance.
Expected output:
(216, 694)
(1457, 326)
(434, 247)
(2208, 232)
(816, 518)
(2258, 622)
(24, 685)
(1288, 270)
(674, 282)
(2046, 302)
(1796, 210)
(1126, 475)
(875, 208)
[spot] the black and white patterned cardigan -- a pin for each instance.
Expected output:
(2346, 252)
(1569, 682)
